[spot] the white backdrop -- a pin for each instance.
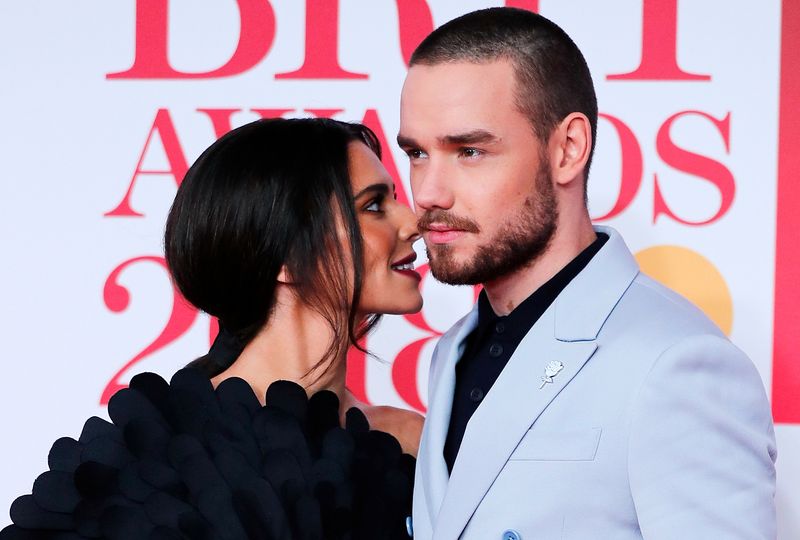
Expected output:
(686, 169)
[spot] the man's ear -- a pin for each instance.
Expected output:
(571, 143)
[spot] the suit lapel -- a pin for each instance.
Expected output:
(508, 411)
(566, 333)
(443, 379)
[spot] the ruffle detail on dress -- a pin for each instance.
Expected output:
(185, 461)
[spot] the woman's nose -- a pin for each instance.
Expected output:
(407, 229)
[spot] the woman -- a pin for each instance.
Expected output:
(288, 232)
(302, 248)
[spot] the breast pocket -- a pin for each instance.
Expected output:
(566, 445)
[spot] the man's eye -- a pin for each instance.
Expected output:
(471, 152)
(415, 154)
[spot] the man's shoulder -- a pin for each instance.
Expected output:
(656, 306)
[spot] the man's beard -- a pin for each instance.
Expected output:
(518, 242)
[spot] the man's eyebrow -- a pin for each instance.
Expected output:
(379, 187)
(406, 142)
(476, 136)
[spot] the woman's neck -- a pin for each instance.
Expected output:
(288, 348)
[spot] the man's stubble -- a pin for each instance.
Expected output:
(517, 244)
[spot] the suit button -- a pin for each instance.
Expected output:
(500, 328)
(476, 395)
(409, 527)
(495, 350)
(511, 535)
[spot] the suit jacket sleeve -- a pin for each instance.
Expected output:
(701, 453)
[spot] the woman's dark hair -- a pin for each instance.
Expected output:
(266, 196)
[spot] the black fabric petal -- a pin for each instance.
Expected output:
(128, 404)
(183, 461)
(94, 480)
(290, 398)
(65, 455)
(56, 491)
(355, 422)
(155, 389)
(165, 511)
(26, 513)
(97, 427)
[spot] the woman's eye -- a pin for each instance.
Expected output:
(374, 206)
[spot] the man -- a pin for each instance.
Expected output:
(579, 399)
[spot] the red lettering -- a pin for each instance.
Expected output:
(117, 299)
(530, 5)
(322, 44)
(695, 164)
(786, 368)
(151, 60)
(323, 113)
(271, 113)
(175, 157)
(659, 46)
(406, 364)
(414, 22)
(220, 119)
(631, 167)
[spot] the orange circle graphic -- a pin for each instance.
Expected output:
(693, 276)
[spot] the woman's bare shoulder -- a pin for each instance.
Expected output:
(404, 425)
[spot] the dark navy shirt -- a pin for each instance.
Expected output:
(490, 346)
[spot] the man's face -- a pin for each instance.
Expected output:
(480, 178)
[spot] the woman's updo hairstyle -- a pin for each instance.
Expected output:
(268, 195)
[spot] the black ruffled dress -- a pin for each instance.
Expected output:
(185, 461)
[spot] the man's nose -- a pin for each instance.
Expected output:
(430, 186)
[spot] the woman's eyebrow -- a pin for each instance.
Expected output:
(379, 187)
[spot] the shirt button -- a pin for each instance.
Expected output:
(495, 350)
(500, 328)
(476, 395)
(511, 535)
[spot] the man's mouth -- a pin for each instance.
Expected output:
(440, 227)
(442, 234)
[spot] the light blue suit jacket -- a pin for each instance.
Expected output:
(657, 427)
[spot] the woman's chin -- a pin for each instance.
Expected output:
(401, 306)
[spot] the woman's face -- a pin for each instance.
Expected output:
(388, 229)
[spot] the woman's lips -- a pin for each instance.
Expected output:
(405, 266)
(409, 273)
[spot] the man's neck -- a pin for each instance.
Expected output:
(507, 292)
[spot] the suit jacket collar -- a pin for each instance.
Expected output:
(584, 305)
(432, 465)
(566, 333)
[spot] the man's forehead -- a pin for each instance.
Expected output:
(457, 103)
(457, 85)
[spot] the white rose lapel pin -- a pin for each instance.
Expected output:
(552, 369)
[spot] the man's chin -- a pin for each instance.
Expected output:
(453, 271)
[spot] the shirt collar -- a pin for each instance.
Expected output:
(530, 309)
